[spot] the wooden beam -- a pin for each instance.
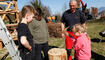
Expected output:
(11, 29)
(1, 10)
(8, 12)
(11, 25)
(16, 8)
(4, 3)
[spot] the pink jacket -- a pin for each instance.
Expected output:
(82, 46)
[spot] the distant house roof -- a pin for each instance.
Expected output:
(102, 12)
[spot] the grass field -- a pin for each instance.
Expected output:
(93, 29)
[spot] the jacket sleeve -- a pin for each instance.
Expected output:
(78, 44)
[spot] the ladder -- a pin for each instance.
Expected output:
(8, 42)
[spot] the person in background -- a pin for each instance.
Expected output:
(39, 30)
(25, 38)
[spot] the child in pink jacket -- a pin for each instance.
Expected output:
(82, 45)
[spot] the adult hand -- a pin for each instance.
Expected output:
(64, 32)
(63, 35)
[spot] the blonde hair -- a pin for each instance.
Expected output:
(77, 28)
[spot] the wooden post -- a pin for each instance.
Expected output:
(57, 54)
(17, 13)
(3, 3)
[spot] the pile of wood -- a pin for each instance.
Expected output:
(54, 29)
(57, 54)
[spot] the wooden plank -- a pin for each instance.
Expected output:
(12, 25)
(11, 29)
(3, 3)
(8, 10)
(11, 12)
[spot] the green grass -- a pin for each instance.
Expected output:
(93, 29)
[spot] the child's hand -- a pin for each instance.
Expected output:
(65, 31)
(30, 48)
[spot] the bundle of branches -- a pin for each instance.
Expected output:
(54, 29)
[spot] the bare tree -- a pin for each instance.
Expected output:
(38, 4)
(64, 7)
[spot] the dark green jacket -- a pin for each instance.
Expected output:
(39, 30)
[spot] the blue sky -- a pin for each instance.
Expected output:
(57, 6)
